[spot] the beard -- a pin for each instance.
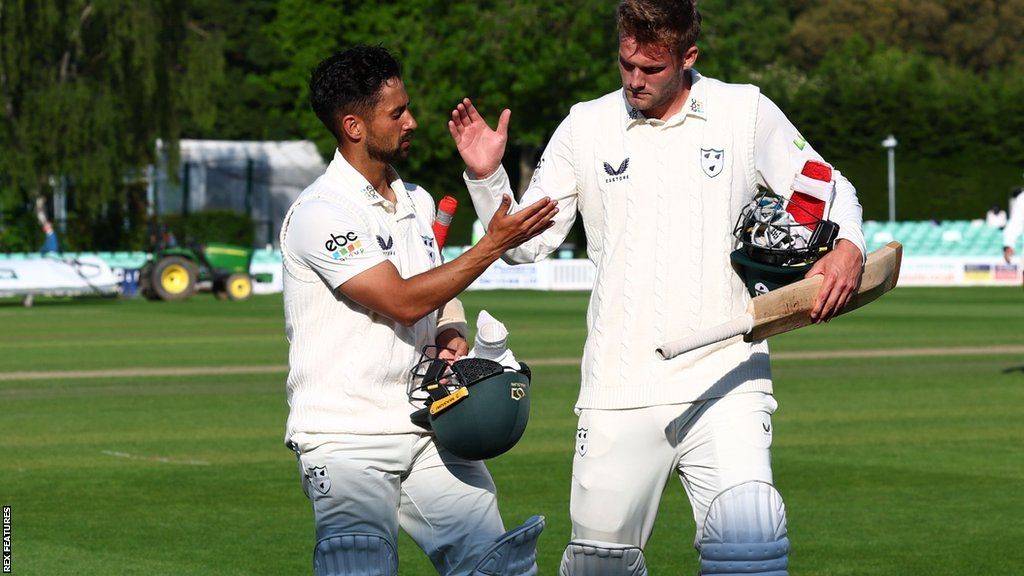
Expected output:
(386, 153)
(655, 97)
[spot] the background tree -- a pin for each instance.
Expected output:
(974, 34)
(501, 54)
(248, 104)
(86, 88)
(741, 37)
(536, 58)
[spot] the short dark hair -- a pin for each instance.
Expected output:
(350, 82)
(670, 24)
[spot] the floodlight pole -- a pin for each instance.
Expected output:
(890, 145)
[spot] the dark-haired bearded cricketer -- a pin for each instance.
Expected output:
(364, 292)
(659, 172)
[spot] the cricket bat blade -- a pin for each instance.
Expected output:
(789, 307)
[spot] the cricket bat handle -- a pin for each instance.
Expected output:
(735, 327)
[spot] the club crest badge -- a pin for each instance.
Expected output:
(428, 242)
(581, 441)
(318, 478)
(712, 161)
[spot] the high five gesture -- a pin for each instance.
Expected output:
(481, 147)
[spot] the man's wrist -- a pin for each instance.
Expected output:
(448, 334)
(846, 242)
(488, 248)
(482, 174)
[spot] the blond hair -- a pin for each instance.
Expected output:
(670, 24)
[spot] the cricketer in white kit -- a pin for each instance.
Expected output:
(659, 172)
(363, 282)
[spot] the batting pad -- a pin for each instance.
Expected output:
(596, 558)
(514, 553)
(745, 533)
(355, 555)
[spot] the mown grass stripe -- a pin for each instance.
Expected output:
(567, 361)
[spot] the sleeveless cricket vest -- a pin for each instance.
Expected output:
(659, 201)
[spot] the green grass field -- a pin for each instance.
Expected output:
(912, 464)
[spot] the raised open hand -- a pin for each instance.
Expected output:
(481, 147)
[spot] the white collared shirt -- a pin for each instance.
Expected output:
(349, 366)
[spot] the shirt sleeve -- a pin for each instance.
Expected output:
(335, 243)
(779, 155)
(554, 177)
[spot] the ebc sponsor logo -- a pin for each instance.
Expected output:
(338, 241)
(341, 246)
(371, 193)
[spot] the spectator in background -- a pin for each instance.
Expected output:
(1015, 224)
(50, 241)
(996, 217)
(159, 236)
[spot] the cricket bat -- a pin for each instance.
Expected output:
(789, 307)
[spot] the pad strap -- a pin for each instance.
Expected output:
(596, 558)
(514, 553)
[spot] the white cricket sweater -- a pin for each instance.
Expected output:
(659, 201)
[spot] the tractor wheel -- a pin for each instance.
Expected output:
(146, 282)
(174, 278)
(238, 286)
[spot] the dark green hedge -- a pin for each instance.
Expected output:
(212, 226)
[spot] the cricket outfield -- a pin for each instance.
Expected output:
(146, 438)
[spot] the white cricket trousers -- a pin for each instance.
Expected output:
(624, 459)
(376, 483)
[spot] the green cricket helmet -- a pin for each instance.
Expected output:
(476, 407)
(778, 243)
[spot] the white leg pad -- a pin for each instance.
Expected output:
(514, 553)
(596, 558)
(745, 533)
(355, 555)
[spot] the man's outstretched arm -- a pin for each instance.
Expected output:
(406, 300)
(482, 149)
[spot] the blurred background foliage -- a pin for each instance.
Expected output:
(86, 87)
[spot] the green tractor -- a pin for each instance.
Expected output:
(174, 274)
